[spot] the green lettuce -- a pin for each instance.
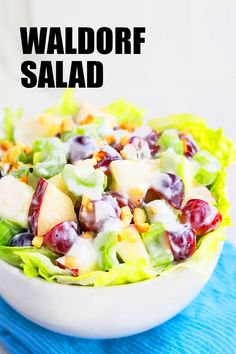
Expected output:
(12, 255)
(90, 184)
(8, 229)
(124, 273)
(37, 264)
(10, 119)
(126, 114)
(67, 106)
(156, 245)
(49, 157)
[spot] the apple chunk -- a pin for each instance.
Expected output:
(49, 207)
(15, 199)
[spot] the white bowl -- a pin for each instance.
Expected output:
(106, 312)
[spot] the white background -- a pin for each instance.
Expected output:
(188, 63)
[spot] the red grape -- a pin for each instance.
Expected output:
(121, 200)
(81, 148)
(61, 237)
(105, 156)
(152, 139)
(169, 187)
(182, 242)
(22, 240)
(190, 147)
(202, 216)
(94, 217)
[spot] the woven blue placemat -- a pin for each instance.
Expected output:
(208, 325)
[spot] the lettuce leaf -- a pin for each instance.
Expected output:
(49, 157)
(214, 141)
(121, 274)
(126, 114)
(12, 255)
(10, 119)
(8, 229)
(38, 264)
(67, 106)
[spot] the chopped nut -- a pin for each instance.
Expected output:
(126, 215)
(131, 234)
(87, 120)
(70, 262)
(123, 154)
(86, 202)
(110, 139)
(124, 140)
(24, 179)
(127, 126)
(88, 235)
(136, 195)
(37, 241)
(5, 145)
(10, 156)
(139, 216)
(144, 227)
(99, 155)
(185, 148)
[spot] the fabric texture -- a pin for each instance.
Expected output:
(208, 325)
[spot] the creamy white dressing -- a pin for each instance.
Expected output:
(158, 183)
(130, 174)
(86, 255)
(211, 216)
(130, 152)
(142, 132)
(160, 211)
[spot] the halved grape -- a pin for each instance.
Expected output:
(61, 237)
(152, 139)
(23, 239)
(121, 200)
(169, 187)
(81, 148)
(182, 242)
(105, 156)
(94, 215)
(202, 216)
(190, 147)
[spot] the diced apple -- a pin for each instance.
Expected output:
(49, 207)
(132, 248)
(15, 200)
(130, 175)
(160, 211)
(29, 129)
(58, 182)
(82, 258)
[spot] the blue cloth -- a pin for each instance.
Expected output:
(208, 325)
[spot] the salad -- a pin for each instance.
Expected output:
(97, 197)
